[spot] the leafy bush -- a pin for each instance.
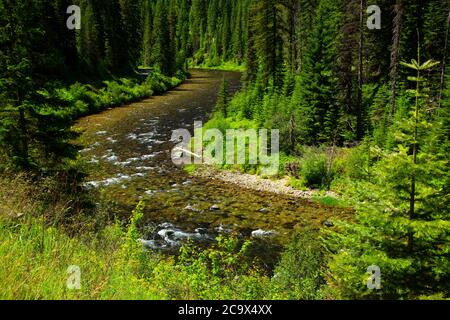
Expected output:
(299, 273)
(289, 165)
(316, 169)
(157, 83)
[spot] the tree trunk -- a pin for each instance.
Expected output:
(395, 50)
(444, 61)
(412, 201)
(359, 104)
(22, 125)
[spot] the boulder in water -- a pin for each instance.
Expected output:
(262, 233)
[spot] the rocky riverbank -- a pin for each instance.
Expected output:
(257, 183)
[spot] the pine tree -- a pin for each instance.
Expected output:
(91, 38)
(183, 49)
(307, 10)
(223, 98)
(238, 45)
(116, 58)
(318, 111)
(251, 58)
(147, 33)
(163, 56)
(395, 51)
(226, 31)
(132, 29)
(403, 222)
(197, 25)
(293, 13)
(268, 40)
(348, 52)
(34, 128)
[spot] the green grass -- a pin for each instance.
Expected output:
(330, 201)
(296, 184)
(190, 168)
(223, 66)
(34, 261)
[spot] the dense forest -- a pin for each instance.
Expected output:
(361, 111)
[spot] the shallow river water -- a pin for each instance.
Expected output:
(129, 151)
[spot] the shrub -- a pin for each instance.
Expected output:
(289, 165)
(299, 273)
(316, 169)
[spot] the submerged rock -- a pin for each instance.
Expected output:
(151, 244)
(328, 224)
(223, 229)
(262, 233)
(201, 231)
(191, 208)
(172, 235)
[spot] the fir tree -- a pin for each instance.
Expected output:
(403, 223)
(318, 110)
(163, 56)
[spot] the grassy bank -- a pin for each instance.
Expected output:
(36, 252)
(84, 99)
(218, 65)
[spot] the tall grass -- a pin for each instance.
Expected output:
(34, 261)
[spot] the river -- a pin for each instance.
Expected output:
(129, 154)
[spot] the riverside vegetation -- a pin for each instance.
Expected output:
(362, 112)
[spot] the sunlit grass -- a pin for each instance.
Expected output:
(223, 66)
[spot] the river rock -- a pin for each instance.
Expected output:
(149, 244)
(262, 233)
(328, 224)
(223, 229)
(191, 208)
(201, 231)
